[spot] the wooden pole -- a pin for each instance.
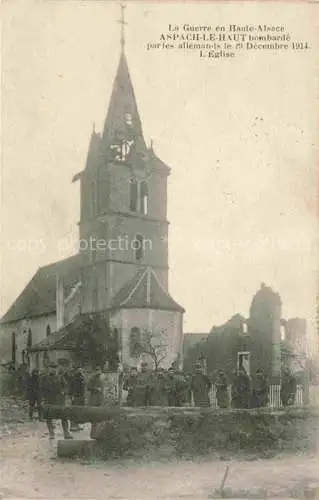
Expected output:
(222, 486)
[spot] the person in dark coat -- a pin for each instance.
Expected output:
(145, 383)
(178, 387)
(241, 390)
(159, 393)
(221, 390)
(33, 392)
(259, 390)
(42, 378)
(182, 388)
(288, 388)
(305, 386)
(130, 385)
(234, 393)
(96, 388)
(200, 386)
(54, 392)
(172, 389)
(187, 398)
(77, 392)
(22, 379)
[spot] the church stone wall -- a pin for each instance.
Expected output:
(38, 326)
(157, 185)
(120, 193)
(155, 236)
(119, 178)
(166, 324)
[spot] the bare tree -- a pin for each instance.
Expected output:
(153, 344)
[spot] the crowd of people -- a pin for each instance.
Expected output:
(148, 387)
(174, 388)
(60, 387)
(166, 388)
(247, 392)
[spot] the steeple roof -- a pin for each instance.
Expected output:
(39, 296)
(123, 119)
(93, 153)
(94, 148)
(145, 291)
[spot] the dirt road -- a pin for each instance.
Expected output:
(30, 469)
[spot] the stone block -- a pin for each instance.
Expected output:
(77, 448)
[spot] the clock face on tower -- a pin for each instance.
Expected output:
(124, 142)
(121, 150)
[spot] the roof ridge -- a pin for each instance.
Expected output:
(134, 288)
(159, 283)
(59, 262)
(148, 286)
(144, 291)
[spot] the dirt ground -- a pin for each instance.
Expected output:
(29, 468)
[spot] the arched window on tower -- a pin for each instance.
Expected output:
(144, 198)
(133, 195)
(48, 330)
(138, 246)
(135, 342)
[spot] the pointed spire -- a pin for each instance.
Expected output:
(122, 118)
(122, 127)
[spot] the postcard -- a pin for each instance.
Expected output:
(159, 249)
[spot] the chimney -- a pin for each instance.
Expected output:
(59, 302)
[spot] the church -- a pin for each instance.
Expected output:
(121, 268)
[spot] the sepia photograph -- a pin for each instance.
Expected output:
(159, 333)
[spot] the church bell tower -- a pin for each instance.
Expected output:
(123, 221)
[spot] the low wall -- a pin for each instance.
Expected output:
(189, 432)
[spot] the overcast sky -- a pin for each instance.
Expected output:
(238, 134)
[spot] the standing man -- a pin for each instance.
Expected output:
(144, 385)
(177, 387)
(33, 391)
(54, 392)
(77, 392)
(130, 384)
(172, 387)
(96, 388)
(200, 386)
(305, 386)
(260, 390)
(288, 388)
(234, 391)
(243, 389)
(221, 390)
(159, 395)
